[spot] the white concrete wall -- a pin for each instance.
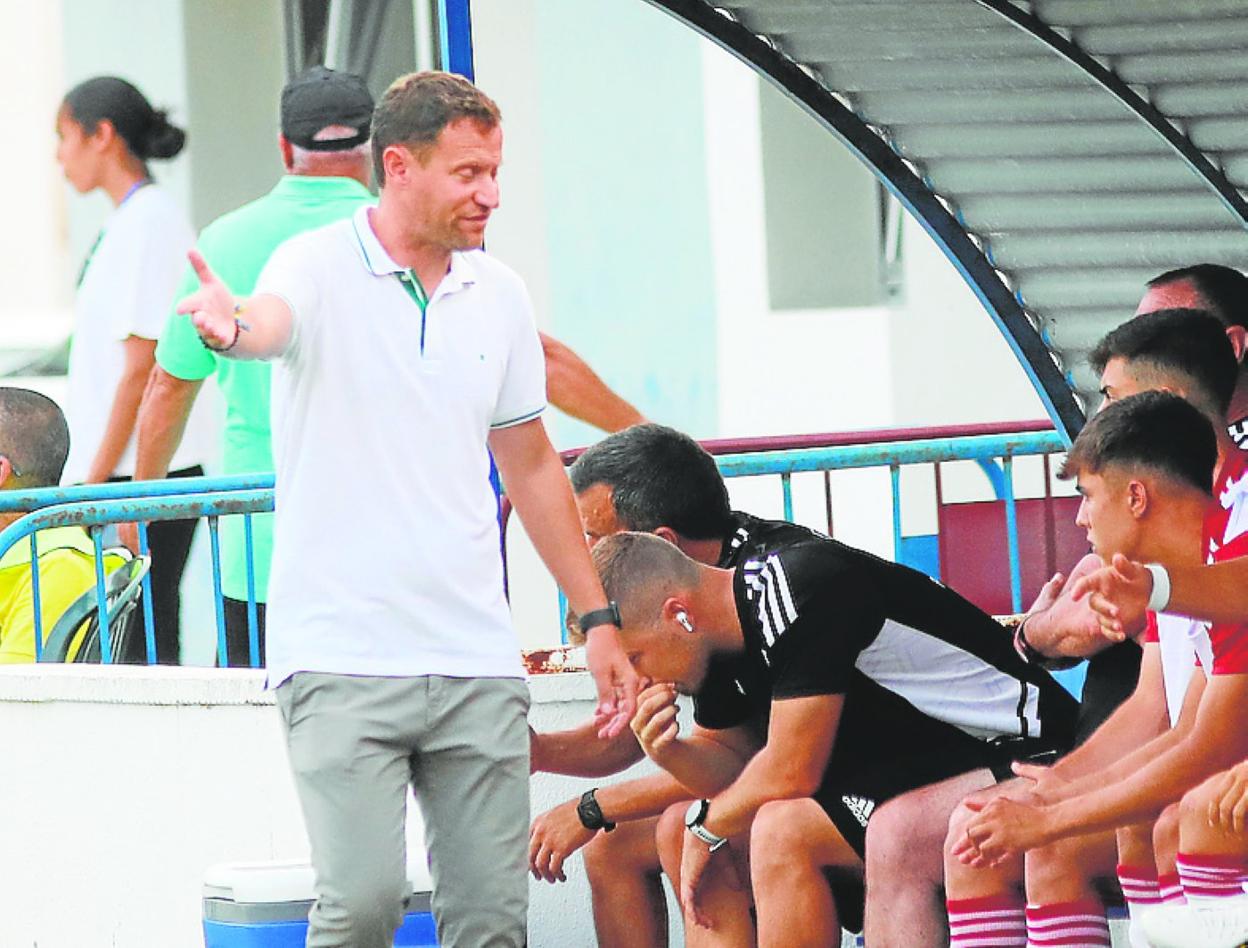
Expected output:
(34, 304)
(123, 785)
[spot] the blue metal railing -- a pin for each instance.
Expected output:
(96, 506)
(898, 454)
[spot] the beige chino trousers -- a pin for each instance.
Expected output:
(355, 744)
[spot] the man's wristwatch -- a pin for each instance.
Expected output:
(695, 816)
(1026, 651)
(596, 617)
(1033, 656)
(590, 813)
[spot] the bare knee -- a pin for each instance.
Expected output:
(959, 819)
(1135, 844)
(598, 856)
(1063, 870)
(894, 827)
(776, 834)
(1193, 809)
(1166, 833)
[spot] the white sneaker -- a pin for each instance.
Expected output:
(1222, 924)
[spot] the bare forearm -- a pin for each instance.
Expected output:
(264, 331)
(768, 776)
(163, 413)
(575, 389)
(704, 766)
(1121, 767)
(1217, 593)
(1134, 723)
(540, 493)
(643, 797)
(1143, 794)
(580, 752)
(121, 420)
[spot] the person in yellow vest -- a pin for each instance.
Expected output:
(34, 442)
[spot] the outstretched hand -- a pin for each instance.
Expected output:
(1118, 594)
(211, 307)
(614, 678)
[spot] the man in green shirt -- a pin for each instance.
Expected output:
(323, 142)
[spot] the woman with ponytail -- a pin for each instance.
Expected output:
(107, 134)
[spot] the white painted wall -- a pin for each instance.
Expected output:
(125, 784)
(34, 303)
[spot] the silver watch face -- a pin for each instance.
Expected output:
(695, 814)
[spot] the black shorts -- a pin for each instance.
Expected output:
(884, 748)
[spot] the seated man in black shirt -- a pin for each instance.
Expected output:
(873, 679)
(652, 478)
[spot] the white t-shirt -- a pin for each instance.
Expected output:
(1184, 643)
(386, 555)
(127, 290)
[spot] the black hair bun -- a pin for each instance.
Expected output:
(163, 138)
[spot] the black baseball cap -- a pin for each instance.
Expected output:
(318, 98)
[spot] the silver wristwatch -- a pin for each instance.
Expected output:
(695, 816)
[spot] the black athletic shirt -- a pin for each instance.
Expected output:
(1238, 430)
(753, 536)
(1112, 676)
(814, 611)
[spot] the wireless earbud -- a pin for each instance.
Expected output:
(683, 618)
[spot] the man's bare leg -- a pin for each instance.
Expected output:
(724, 895)
(1063, 901)
(963, 881)
(988, 898)
(1196, 833)
(625, 878)
(791, 841)
(1212, 860)
(1137, 874)
(905, 866)
(1166, 841)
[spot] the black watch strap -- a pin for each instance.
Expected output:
(590, 813)
(596, 617)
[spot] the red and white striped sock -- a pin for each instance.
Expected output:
(1139, 887)
(1069, 924)
(1212, 877)
(1171, 888)
(994, 921)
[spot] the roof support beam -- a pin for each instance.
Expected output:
(910, 189)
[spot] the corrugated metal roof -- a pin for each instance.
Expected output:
(1073, 195)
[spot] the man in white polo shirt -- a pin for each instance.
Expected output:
(400, 347)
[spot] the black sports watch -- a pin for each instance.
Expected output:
(590, 813)
(596, 617)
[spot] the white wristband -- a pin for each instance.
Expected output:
(1159, 598)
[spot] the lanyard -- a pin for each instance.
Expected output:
(95, 245)
(411, 283)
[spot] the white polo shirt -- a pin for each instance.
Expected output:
(386, 547)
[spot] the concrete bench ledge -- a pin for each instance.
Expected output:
(163, 686)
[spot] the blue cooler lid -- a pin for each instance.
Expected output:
(282, 891)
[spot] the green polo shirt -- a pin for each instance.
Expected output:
(237, 246)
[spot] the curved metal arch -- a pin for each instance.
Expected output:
(1114, 84)
(908, 187)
